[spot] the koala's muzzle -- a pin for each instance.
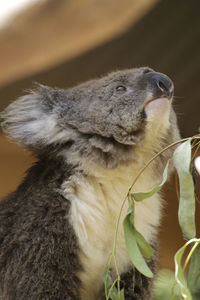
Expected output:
(161, 84)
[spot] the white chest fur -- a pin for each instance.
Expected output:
(95, 205)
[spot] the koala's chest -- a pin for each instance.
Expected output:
(95, 207)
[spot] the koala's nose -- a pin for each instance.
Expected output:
(161, 84)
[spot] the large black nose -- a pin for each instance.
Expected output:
(161, 84)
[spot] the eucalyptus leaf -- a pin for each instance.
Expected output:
(111, 289)
(194, 271)
(179, 272)
(114, 294)
(146, 250)
(108, 281)
(186, 212)
(180, 277)
(133, 249)
(131, 211)
(122, 297)
(108, 278)
(141, 196)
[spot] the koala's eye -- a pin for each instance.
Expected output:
(121, 88)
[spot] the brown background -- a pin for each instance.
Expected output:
(64, 42)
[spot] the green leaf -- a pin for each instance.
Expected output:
(131, 211)
(146, 250)
(142, 196)
(133, 249)
(186, 213)
(122, 297)
(111, 289)
(179, 272)
(114, 294)
(194, 271)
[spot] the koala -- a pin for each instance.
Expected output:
(90, 141)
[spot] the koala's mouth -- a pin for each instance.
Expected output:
(157, 106)
(156, 99)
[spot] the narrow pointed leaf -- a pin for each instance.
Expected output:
(180, 277)
(142, 196)
(179, 272)
(131, 212)
(114, 294)
(194, 271)
(111, 289)
(133, 249)
(146, 250)
(122, 297)
(186, 213)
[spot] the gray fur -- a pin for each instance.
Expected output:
(92, 121)
(92, 114)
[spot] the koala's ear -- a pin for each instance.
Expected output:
(30, 120)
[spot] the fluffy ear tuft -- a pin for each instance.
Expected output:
(30, 120)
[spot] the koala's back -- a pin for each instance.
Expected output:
(37, 242)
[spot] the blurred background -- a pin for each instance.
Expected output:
(64, 42)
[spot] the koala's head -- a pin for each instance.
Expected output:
(102, 120)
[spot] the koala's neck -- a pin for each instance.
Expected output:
(96, 195)
(96, 198)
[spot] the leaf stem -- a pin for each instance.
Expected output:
(112, 286)
(127, 197)
(139, 174)
(189, 255)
